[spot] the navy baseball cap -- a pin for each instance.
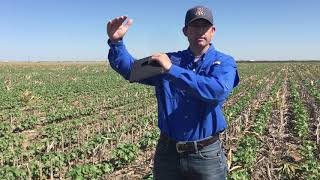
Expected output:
(198, 12)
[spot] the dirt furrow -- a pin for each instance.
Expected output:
(279, 147)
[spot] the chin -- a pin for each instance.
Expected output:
(201, 45)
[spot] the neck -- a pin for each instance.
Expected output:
(196, 51)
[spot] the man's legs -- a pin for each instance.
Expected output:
(166, 161)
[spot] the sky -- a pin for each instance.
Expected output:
(58, 30)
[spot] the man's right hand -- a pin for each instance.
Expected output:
(116, 29)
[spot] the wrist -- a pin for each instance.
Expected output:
(114, 41)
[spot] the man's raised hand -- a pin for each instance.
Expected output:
(116, 29)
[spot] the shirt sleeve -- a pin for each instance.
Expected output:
(212, 87)
(120, 59)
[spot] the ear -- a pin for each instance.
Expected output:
(184, 30)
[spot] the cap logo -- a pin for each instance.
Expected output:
(199, 12)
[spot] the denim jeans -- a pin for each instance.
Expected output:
(208, 163)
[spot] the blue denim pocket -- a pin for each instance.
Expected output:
(208, 163)
(211, 152)
(210, 155)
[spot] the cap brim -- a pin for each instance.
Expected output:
(196, 18)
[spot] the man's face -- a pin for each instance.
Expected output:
(199, 33)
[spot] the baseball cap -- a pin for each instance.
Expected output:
(198, 12)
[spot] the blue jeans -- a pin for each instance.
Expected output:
(208, 163)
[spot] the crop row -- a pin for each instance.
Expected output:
(248, 146)
(308, 167)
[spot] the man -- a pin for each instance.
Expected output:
(190, 95)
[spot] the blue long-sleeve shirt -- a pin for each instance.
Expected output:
(190, 95)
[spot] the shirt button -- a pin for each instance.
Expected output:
(194, 69)
(186, 116)
(188, 100)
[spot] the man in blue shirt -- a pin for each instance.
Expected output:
(190, 96)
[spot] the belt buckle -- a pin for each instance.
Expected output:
(177, 146)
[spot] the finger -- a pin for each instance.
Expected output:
(129, 23)
(114, 22)
(153, 58)
(157, 55)
(109, 24)
(120, 20)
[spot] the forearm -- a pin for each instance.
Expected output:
(120, 59)
(206, 88)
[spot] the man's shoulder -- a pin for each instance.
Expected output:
(224, 58)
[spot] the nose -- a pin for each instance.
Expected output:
(200, 30)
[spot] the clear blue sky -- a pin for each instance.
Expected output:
(76, 30)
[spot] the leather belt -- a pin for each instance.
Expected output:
(191, 146)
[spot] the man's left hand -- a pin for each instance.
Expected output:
(163, 60)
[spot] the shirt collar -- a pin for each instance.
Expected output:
(211, 48)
